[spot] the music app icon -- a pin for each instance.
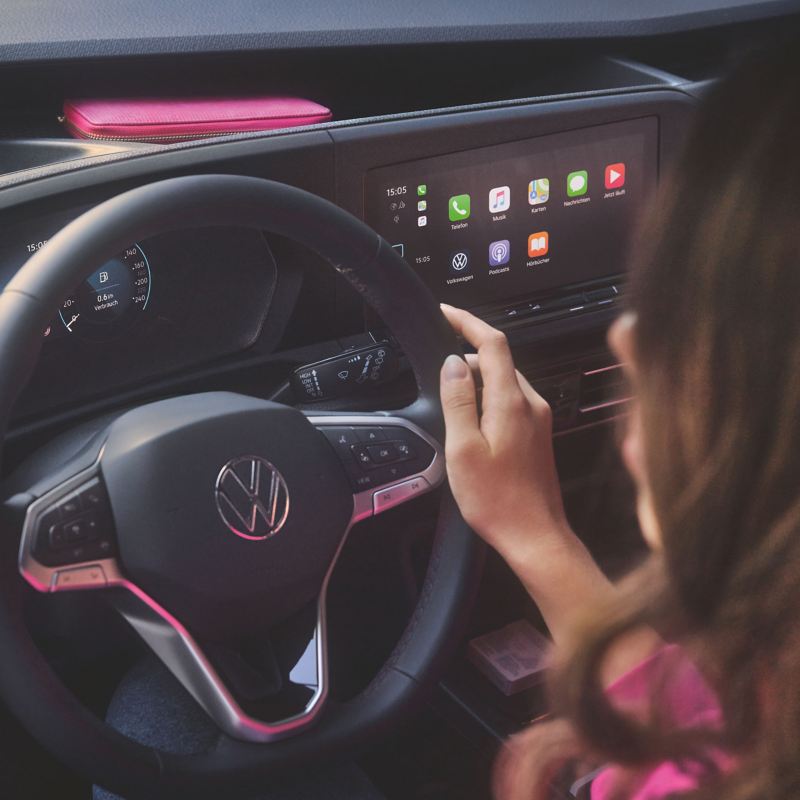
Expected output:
(499, 199)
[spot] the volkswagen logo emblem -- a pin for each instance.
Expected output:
(460, 261)
(459, 264)
(252, 497)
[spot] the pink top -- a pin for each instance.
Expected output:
(689, 702)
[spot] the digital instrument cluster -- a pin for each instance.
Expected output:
(109, 301)
(157, 307)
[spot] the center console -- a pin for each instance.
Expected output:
(525, 215)
(522, 213)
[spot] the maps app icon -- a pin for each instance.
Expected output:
(539, 191)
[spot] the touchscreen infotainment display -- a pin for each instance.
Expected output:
(511, 220)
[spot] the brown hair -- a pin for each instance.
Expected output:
(716, 292)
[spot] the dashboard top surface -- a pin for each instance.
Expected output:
(49, 31)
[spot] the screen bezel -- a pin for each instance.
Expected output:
(374, 143)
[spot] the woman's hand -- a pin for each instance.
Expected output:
(503, 475)
(500, 456)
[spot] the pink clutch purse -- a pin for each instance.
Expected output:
(181, 119)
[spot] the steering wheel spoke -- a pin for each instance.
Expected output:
(268, 698)
(68, 538)
(388, 459)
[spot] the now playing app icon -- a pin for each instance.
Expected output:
(615, 176)
(459, 262)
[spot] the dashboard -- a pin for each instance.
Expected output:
(78, 30)
(522, 212)
(527, 230)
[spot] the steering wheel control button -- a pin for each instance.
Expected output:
(70, 505)
(57, 537)
(363, 457)
(383, 453)
(79, 578)
(392, 473)
(345, 374)
(394, 495)
(49, 534)
(341, 437)
(411, 447)
(76, 528)
(93, 496)
(82, 529)
(405, 450)
(361, 483)
(368, 435)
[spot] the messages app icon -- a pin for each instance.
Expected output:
(577, 183)
(458, 207)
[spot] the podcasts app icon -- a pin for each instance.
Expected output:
(499, 253)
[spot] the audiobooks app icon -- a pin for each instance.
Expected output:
(538, 244)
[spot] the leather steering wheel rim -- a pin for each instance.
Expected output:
(30, 687)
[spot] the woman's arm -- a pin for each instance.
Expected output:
(502, 472)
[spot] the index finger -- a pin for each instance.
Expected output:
(494, 355)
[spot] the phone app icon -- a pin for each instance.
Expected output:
(615, 176)
(577, 183)
(499, 199)
(458, 207)
(499, 253)
(459, 262)
(538, 244)
(422, 189)
(539, 191)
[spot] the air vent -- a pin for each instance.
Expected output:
(604, 391)
(584, 393)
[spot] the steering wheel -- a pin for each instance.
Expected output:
(215, 519)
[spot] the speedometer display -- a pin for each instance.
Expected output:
(111, 298)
